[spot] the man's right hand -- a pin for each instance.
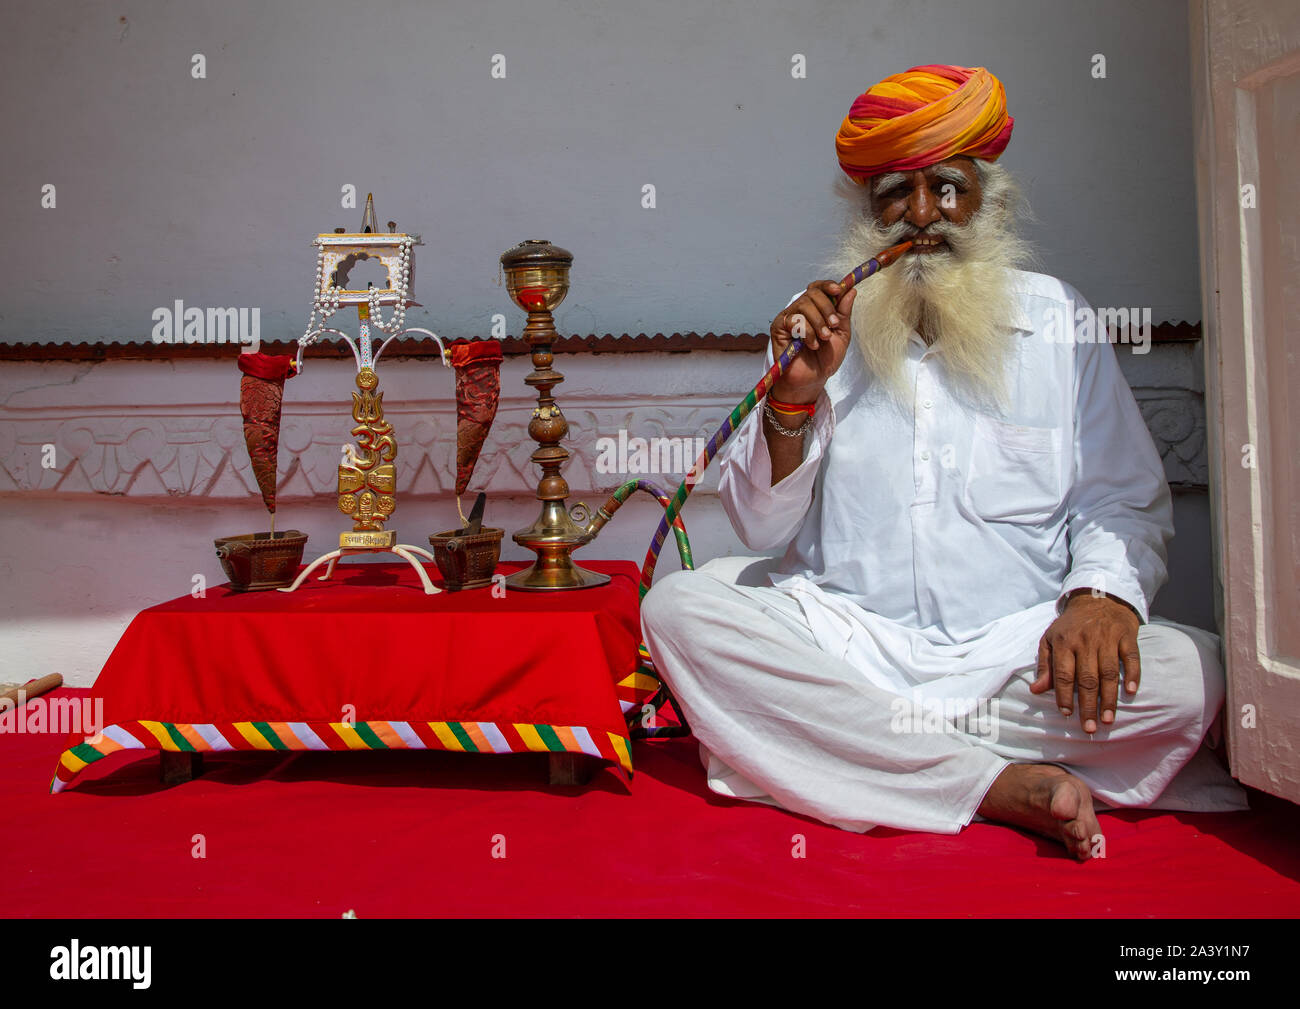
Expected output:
(821, 317)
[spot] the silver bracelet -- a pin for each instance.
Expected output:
(781, 429)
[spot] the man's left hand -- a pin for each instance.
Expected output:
(1083, 650)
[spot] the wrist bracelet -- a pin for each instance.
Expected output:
(791, 408)
(781, 429)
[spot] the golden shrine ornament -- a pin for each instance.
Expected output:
(367, 489)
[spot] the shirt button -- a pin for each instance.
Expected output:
(925, 455)
(928, 403)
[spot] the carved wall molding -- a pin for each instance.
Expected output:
(108, 438)
(201, 453)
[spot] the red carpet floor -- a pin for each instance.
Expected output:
(413, 834)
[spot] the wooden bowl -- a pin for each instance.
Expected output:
(467, 561)
(255, 562)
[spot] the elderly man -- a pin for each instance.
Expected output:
(975, 522)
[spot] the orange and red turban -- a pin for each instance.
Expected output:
(925, 115)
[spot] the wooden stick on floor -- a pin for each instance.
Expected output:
(20, 695)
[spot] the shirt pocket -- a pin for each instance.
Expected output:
(1015, 471)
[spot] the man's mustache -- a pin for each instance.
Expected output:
(953, 234)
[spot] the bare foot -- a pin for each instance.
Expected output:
(1047, 800)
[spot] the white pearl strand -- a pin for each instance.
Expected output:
(397, 321)
(325, 296)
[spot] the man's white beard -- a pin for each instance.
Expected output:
(962, 297)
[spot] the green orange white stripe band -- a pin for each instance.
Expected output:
(468, 737)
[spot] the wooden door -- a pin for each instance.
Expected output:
(1246, 93)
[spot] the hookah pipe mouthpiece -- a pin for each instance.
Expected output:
(874, 265)
(859, 273)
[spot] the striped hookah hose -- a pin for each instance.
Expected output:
(672, 506)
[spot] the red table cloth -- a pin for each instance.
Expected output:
(368, 661)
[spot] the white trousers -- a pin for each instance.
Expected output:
(780, 721)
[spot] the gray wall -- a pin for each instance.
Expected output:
(211, 190)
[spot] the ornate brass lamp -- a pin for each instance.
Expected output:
(537, 277)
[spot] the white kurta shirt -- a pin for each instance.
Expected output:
(932, 548)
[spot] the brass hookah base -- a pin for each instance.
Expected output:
(555, 533)
(554, 537)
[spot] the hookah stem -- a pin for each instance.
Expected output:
(859, 273)
(873, 265)
(644, 663)
(620, 496)
(671, 518)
